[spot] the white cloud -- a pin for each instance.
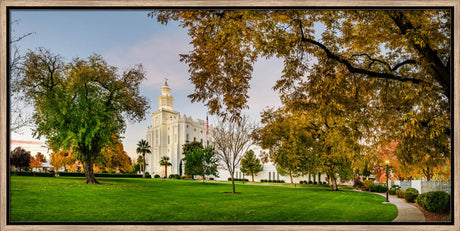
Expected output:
(159, 56)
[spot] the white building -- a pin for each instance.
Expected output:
(169, 132)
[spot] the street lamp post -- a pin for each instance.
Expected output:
(386, 171)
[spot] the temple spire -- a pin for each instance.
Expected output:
(165, 100)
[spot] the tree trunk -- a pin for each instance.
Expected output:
(252, 177)
(166, 171)
(143, 165)
(203, 179)
(334, 183)
(89, 172)
(290, 175)
(233, 184)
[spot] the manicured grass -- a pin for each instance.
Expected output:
(125, 199)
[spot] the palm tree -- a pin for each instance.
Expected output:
(165, 162)
(143, 147)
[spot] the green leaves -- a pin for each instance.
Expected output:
(80, 104)
(200, 161)
(250, 164)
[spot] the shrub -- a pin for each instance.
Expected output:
(211, 178)
(396, 187)
(410, 196)
(324, 182)
(314, 182)
(412, 190)
(377, 188)
(434, 201)
(392, 191)
(156, 176)
(368, 182)
(147, 175)
(310, 182)
(174, 176)
(400, 193)
(281, 181)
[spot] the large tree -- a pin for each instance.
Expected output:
(143, 147)
(114, 158)
(80, 104)
(250, 164)
(231, 140)
(20, 158)
(396, 62)
(19, 115)
(199, 160)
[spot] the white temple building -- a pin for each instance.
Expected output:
(170, 130)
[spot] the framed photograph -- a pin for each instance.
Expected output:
(240, 115)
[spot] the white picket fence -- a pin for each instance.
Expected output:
(424, 186)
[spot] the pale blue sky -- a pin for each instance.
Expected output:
(125, 38)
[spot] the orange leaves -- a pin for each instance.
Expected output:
(114, 157)
(62, 158)
(35, 163)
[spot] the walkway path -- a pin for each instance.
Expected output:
(406, 212)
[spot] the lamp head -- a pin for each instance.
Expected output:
(387, 161)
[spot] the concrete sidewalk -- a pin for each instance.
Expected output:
(406, 212)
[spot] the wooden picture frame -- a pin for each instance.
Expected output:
(5, 4)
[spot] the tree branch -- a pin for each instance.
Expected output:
(441, 72)
(356, 70)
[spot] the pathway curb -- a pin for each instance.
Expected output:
(406, 212)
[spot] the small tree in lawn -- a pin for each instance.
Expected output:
(142, 148)
(250, 164)
(200, 161)
(232, 138)
(165, 162)
(20, 158)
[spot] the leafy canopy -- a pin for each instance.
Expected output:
(341, 68)
(200, 161)
(80, 104)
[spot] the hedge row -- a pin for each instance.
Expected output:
(237, 179)
(311, 182)
(81, 174)
(377, 188)
(42, 174)
(272, 181)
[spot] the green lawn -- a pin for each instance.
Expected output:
(124, 199)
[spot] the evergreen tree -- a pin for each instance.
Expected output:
(250, 164)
